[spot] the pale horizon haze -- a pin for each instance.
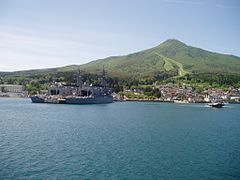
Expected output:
(46, 34)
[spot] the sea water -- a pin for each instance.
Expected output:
(122, 140)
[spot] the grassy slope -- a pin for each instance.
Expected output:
(142, 64)
(170, 65)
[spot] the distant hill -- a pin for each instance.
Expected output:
(171, 58)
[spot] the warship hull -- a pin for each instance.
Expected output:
(89, 100)
(37, 99)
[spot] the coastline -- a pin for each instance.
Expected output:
(130, 100)
(145, 100)
(140, 100)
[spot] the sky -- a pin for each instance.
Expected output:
(53, 33)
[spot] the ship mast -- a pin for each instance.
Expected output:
(79, 82)
(103, 83)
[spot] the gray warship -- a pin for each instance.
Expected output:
(81, 93)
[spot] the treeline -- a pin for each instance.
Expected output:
(36, 83)
(199, 82)
(215, 79)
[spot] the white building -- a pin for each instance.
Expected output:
(11, 88)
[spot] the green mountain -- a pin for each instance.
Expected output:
(170, 58)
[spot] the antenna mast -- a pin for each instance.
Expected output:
(103, 78)
(79, 82)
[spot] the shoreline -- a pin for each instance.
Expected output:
(134, 100)
(139, 100)
(144, 100)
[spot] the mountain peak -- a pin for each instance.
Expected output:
(172, 42)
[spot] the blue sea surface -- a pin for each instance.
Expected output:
(123, 140)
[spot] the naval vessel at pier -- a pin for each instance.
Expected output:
(78, 94)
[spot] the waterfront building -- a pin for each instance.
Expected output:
(11, 88)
